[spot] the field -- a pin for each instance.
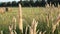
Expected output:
(44, 16)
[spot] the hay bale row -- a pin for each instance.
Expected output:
(5, 9)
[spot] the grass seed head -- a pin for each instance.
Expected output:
(20, 18)
(1, 32)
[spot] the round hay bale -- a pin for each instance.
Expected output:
(2, 10)
(9, 9)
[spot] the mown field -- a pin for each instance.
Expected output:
(40, 14)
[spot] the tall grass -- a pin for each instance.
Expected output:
(20, 18)
(35, 20)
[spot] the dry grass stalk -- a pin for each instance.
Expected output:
(56, 23)
(11, 32)
(15, 32)
(31, 30)
(1, 32)
(44, 32)
(14, 22)
(58, 5)
(50, 4)
(11, 29)
(43, 17)
(40, 32)
(47, 19)
(53, 6)
(33, 27)
(20, 18)
(53, 28)
(47, 6)
(58, 20)
(51, 15)
(37, 31)
(26, 30)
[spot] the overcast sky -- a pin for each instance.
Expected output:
(11, 0)
(8, 0)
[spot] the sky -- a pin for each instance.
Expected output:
(11, 0)
(8, 0)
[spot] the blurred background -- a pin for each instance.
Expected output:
(28, 3)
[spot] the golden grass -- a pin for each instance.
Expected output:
(14, 22)
(20, 18)
(11, 29)
(33, 28)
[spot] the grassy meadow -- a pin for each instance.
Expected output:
(46, 17)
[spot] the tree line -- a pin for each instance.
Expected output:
(29, 3)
